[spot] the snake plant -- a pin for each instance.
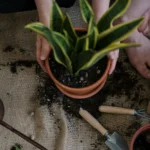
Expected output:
(78, 53)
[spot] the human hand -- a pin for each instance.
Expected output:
(42, 51)
(42, 46)
(140, 56)
(145, 26)
(113, 56)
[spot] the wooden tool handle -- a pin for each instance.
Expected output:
(92, 121)
(116, 110)
(4, 124)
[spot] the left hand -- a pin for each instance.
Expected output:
(42, 51)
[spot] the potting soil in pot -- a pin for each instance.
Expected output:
(142, 142)
(85, 78)
(123, 82)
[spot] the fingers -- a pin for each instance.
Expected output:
(113, 56)
(146, 32)
(38, 53)
(145, 23)
(143, 70)
(113, 65)
(45, 49)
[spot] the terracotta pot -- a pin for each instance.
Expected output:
(140, 131)
(79, 93)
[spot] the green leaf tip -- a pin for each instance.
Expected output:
(86, 11)
(115, 11)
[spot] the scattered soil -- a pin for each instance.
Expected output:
(8, 49)
(142, 142)
(132, 129)
(22, 50)
(21, 63)
(122, 82)
(11, 49)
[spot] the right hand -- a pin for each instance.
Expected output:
(42, 51)
(145, 26)
(113, 56)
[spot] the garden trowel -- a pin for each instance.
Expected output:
(114, 141)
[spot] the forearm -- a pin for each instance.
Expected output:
(137, 8)
(100, 7)
(44, 9)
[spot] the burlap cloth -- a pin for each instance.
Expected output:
(52, 127)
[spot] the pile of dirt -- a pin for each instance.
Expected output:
(124, 81)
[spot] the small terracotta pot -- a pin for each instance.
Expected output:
(79, 93)
(140, 131)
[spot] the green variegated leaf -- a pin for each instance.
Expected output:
(68, 38)
(41, 29)
(63, 43)
(65, 48)
(91, 25)
(92, 30)
(82, 44)
(56, 18)
(93, 39)
(86, 59)
(60, 55)
(114, 12)
(67, 25)
(86, 10)
(117, 33)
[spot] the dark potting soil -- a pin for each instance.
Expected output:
(133, 128)
(142, 142)
(85, 78)
(8, 49)
(21, 63)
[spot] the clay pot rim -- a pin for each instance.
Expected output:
(137, 133)
(97, 83)
(75, 96)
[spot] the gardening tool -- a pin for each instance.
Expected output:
(4, 124)
(114, 141)
(124, 111)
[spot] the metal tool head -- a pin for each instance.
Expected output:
(116, 142)
(142, 113)
(1, 110)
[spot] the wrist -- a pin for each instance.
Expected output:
(100, 7)
(44, 9)
(45, 19)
